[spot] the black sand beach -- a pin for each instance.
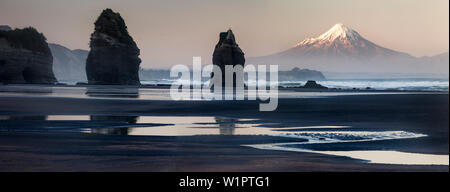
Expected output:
(25, 148)
(86, 152)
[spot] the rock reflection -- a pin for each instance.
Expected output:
(114, 119)
(226, 126)
(112, 91)
(27, 89)
(25, 118)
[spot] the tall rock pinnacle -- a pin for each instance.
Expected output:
(114, 56)
(227, 52)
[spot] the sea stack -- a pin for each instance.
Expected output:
(227, 52)
(114, 56)
(25, 57)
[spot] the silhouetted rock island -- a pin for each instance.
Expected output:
(227, 52)
(114, 56)
(25, 57)
(313, 85)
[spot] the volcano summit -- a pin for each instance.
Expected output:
(342, 49)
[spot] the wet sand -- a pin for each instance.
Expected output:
(87, 152)
(55, 151)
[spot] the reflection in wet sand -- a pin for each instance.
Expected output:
(113, 91)
(35, 90)
(125, 119)
(68, 118)
(210, 125)
(102, 124)
(225, 126)
(371, 156)
(25, 118)
(393, 157)
(194, 125)
(115, 131)
(117, 92)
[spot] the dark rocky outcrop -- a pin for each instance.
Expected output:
(313, 85)
(227, 52)
(118, 121)
(25, 57)
(114, 56)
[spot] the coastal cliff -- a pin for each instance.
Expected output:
(25, 57)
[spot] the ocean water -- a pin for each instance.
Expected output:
(390, 84)
(404, 84)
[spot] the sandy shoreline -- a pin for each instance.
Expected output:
(42, 151)
(86, 152)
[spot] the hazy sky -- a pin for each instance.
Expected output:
(170, 32)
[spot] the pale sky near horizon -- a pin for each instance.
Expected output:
(170, 32)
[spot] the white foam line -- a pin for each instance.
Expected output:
(372, 156)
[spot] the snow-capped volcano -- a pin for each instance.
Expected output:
(342, 49)
(337, 32)
(342, 41)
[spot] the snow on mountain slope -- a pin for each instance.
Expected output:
(342, 41)
(342, 49)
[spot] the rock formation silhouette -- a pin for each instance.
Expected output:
(25, 57)
(313, 85)
(227, 52)
(114, 56)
